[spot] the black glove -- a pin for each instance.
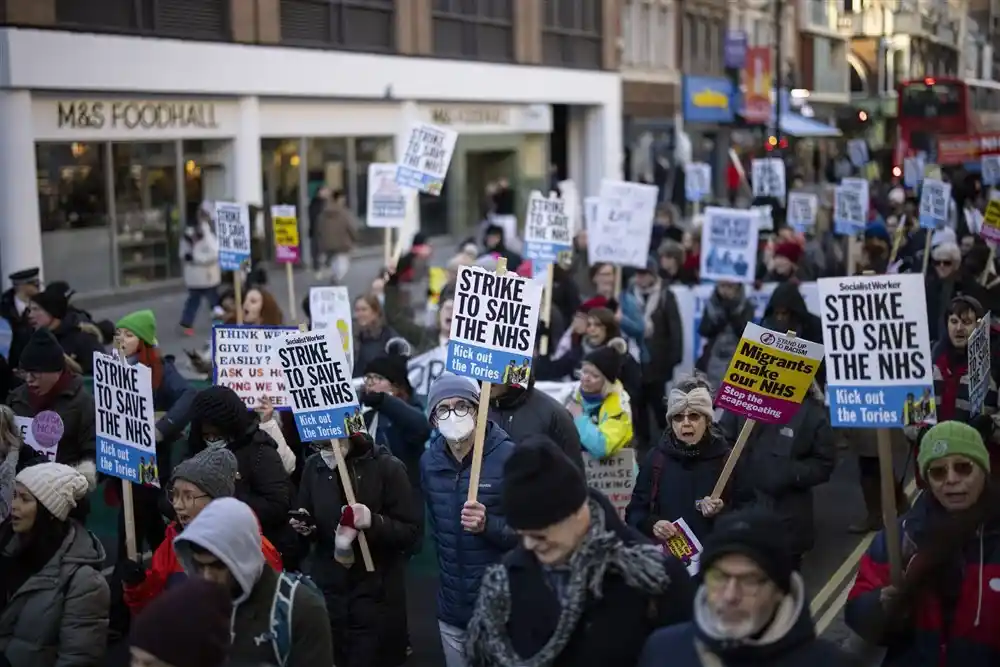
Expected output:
(373, 399)
(188, 257)
(131, 573)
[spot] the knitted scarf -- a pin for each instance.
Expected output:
(640, 565)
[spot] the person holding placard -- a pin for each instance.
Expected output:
(469, 536)
(600, 405)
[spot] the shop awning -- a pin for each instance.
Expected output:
(801, 127)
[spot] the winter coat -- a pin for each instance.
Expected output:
(59, 616)
(402, 428)
(20, 327)
(8, 471)
(672, 478)
(173, 397)
(74, 404)
(787, 297)
(525, 412)
(661, 346)
(336, 229)
(369, 345)
(462, 556)
(165, 570)
(623, 613)
(605, 426)
(789, 641)
(199, 250)
(400, 317)
(79, 339)
(971, 639)
(722, 324)
(782, 464)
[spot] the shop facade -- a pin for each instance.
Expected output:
(105, 157)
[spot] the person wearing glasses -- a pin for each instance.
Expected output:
(945, 608)
(469, 535)
(677, 477)
(195, 483)
(751, 607)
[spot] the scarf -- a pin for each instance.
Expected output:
(640, 565)
(649, 297)
(41, 402)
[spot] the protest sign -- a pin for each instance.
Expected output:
(614, 476)
(991, 222)
(848, 211)
(126, 428)
(286, 234)
(978, 351)
(621, 230)
(935, 196)
(802, 208)
(232, 226)
(6, 338)
(913, 171)
(330, 309)
(857, 151)
(590, 205)
(323, 400)
(386, 199)
(684, 546)
(768, 177)
(769, 375)
(729, 245)
(243, 360)
(424, 369)
(493, 326)
(548, 229)
(990, 166)
(424, 165)
(861, 185)
(765, 217)
(697, 181)
(42, 433)
(878, 360)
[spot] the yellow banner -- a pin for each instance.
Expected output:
(286, 232)
(765, 371)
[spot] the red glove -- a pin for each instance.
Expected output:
(347, 517)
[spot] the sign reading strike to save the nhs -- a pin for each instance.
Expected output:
(493, 326)
(878, 357)
(769, 375)
(126, 430)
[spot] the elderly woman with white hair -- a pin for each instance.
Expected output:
(677, 477)
(942, 284)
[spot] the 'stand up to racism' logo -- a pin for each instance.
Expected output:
(767, 338)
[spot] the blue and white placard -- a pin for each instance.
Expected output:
(125, 420)
(232, 227)
(729, 245)
(935, 196)
(848, 211)
(802, 208)
(548, 229)
(697, 181)
(386, 199)
(424, 165)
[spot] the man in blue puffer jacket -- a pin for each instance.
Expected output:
(469, 536)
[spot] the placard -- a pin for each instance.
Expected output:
(729, 245)
(857, 151)
(386, 199)
(769, 375)
(990, 167)
(46, 436)
(978, 351)
(878, 359)
(697, 181)
(802, 209)
(991, 221)
(935, 196)
(243, 360)
(548, 229)
(862, 186)
(848, 211)
(324, 403)
(768, 177)
(624, 223)
(590, 206)
(685, 547)
(765, 217)
(125, 420)
(424, 165)
(493, 327)
(913, 171)
(286, 234)
(232, 226)
(614, 476)
(425, 369)
(330, 309)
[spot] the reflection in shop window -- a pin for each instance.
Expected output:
(369, 150)
(204, 174)
(282, 166)
(72, 186)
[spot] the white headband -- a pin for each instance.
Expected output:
(697, 400)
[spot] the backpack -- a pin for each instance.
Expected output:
(282, 608)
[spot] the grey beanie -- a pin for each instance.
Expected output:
(449, 385)
(212, 470)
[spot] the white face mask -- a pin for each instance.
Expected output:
(329, 458)
(456, 429)
(215, 444)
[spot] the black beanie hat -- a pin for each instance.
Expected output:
(53, 301)
(393, 365)
(609, 358)
(187, 625)
(757, 534)
(43, 354)
(222, 408)
(541, 485)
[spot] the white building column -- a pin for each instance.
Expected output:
(20, 225)
(602, 147)
(410, 114)
(247, 185)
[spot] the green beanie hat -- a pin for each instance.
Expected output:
(949, 438)
(142, 323)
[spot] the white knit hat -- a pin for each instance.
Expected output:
(56, 486)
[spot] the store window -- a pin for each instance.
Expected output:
(282, 166)
(572, 33)
(365, 25)
(192, 19)
(147, 216)
(205, 177)
(474, 30)
(369, 150)
(72, 186)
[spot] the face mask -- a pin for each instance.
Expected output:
(215, 444)
(329, 458)
(456, 429)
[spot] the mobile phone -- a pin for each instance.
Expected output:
(303, 516)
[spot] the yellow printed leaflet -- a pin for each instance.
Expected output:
(710, 99)
(992, 216)
(761, 367)
(286, 232)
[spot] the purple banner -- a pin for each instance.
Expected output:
(735, 50)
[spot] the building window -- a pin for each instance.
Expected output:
(689, 42)
(193, 19)
(364, 25)
(478, 29)
(648, 34)
(829, 74)
(72, 186)
(572, 33)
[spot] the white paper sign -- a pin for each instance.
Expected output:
(978, 350)
(548, 228)
(424, 165)
(621, 231)
(243, 360)
(935, 195)
(913, 171)
(765, 217)
(24, 426)
(861, 185)
(125, 420)
(991, 169)
(424, 369)
(768, 177)
(590, 205)
(386, 200)
(614, 476)
(330, 309)
(848, 211)
(802, 208)
(857, 150)
(729, 245)
(697, 181)
(232, 226)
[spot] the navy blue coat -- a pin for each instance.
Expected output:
(174, 395)
(403, 429)
(462, 556)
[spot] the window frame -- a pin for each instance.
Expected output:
(566, 36)
(471, 26)
(144, 22)
(337, 15)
